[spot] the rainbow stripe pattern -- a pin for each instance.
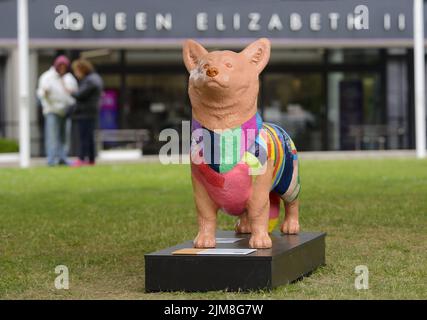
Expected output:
(225, 161)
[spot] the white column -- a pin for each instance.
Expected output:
(419, 67)
(23, 84)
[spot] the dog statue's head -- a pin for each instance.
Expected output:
(224, 84)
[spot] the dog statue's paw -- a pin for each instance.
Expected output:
(290, 226)
(204, 241)
(242, 227)
(260, 241)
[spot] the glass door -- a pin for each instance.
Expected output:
(356, 114)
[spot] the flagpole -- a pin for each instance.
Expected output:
(419, 74)
(23, 84)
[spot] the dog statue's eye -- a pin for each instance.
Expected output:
(228, 65)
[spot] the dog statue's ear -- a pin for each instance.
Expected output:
(192, 51)
(258, 53)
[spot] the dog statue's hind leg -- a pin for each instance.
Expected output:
(243, 224)
(290, 224)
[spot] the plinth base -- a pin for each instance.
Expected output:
(290, 258)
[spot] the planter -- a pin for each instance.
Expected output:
(117, 155)
(9, 157)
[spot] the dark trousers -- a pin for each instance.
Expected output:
(86, 129)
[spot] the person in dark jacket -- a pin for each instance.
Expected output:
(85, 111)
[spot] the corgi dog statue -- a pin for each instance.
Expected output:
(239, 164)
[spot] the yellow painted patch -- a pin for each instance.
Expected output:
(251, 160)
(272, 224)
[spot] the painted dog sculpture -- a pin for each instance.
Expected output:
(238, 163)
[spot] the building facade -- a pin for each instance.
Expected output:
(340, 75)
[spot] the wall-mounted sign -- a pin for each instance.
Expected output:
(173, 19)
(109, 110)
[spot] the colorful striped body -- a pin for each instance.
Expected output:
(228, 162)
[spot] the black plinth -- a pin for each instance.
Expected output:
(290, 258)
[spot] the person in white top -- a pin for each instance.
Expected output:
(54, 88)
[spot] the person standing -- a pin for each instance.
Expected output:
(88, 97)
(54, 92)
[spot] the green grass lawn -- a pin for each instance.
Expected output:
(100, 221)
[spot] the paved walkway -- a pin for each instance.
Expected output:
(12, 160)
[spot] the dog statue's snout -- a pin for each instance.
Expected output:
(212, 72)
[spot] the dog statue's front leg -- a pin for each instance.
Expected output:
(259, 216)
(206, 216)
(259, 209)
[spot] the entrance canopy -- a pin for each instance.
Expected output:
(323, 23)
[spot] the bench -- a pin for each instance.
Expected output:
(124, 144)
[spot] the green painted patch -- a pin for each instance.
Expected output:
(230, 149)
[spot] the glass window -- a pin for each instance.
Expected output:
(357, 56)
(296, 56)
(101, 56)
(138, 57)
(294, 101)
(156, 102)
